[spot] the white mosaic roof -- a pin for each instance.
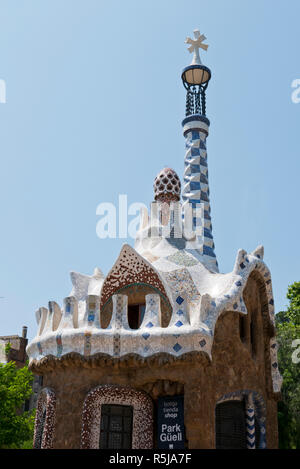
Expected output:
(197, 295)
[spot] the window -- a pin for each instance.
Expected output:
(116, 427)
(136, 315)
(253, 333)
(242, 329)
(231, 425)
(252, 337)
(26, 405)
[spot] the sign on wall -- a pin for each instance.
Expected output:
(170, 420)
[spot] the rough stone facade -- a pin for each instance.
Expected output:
(17, 352)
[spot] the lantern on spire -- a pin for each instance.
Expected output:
(195, 77)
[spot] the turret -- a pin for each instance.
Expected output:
(195, 192)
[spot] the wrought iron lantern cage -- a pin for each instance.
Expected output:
(195, 79)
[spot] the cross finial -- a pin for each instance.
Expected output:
(195, 45)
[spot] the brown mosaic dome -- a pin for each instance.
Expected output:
(167, 186)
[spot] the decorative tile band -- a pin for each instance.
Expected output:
(250, 423)
(87, 343)
(40, 349)
(45, 420)
(59, 345)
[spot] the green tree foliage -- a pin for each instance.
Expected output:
(16, 426)
(288, 333)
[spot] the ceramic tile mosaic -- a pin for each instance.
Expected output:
(250, 423)
(45, 420)
(167, 185)
(142, 431)
(195, 183)
(207, 295)
(130, 268)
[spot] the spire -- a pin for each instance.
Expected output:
(195, 79)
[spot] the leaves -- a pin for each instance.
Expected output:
(288, 329)
(15, 387)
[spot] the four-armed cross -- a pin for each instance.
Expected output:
(195, 45)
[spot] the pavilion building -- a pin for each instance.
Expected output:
(164, 351)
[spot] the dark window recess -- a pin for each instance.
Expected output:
(136, 315)
(26, 405)
(253, 338)
(116, 427)
(231, 425)
(242, 329)
(257, 433)
(41, 380)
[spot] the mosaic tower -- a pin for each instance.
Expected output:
(195, 79)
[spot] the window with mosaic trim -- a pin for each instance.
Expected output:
(116, 427)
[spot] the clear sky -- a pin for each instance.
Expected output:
(94, 104)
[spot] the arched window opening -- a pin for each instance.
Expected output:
(136, 297)
(256, 301)
(116, 427)
(136, 314)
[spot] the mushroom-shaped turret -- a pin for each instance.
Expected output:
(167, 186)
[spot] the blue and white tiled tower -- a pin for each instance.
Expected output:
(195, 129)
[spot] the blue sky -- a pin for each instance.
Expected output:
(94, 109)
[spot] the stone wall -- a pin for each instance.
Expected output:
(17, 352)
(202, 385)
